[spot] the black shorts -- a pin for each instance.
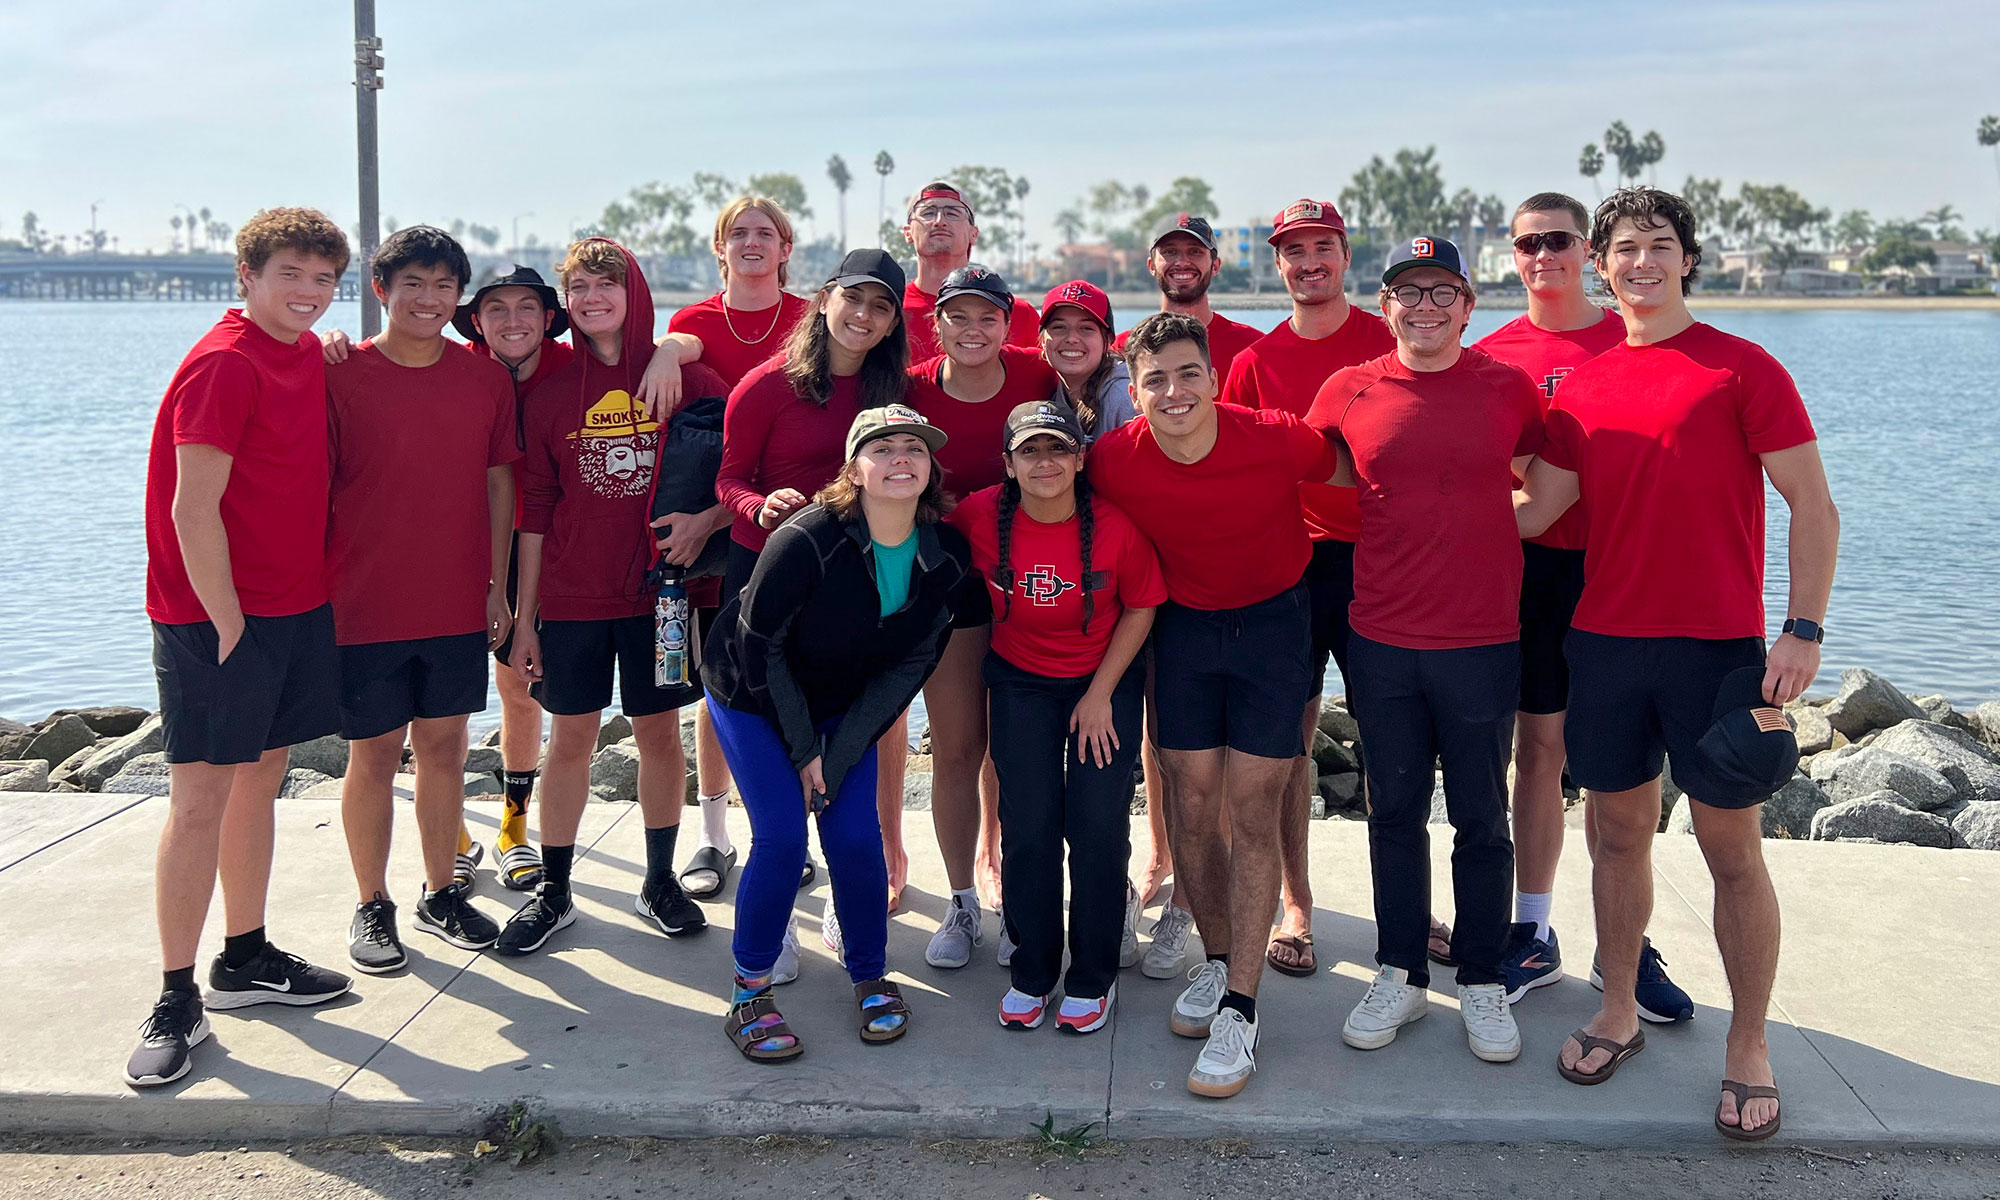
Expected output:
(577, 662)
(386, 685)
(1236, 677)
(1551, 584)
(280, 687)
(1634, 700)
(1330, 586)
(505, 650)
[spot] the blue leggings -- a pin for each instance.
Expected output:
(850, 835)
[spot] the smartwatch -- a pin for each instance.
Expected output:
(1804, 630)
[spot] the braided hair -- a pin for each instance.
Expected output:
(1003, 570)
(1085, 520)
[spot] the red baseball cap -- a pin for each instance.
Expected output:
(1305, 214)
(1086, 296)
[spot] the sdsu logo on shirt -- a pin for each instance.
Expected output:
(1553, 380)
(1043, 586)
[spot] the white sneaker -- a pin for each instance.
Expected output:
(1489, 1022)
(1007, 944)
(1019, 1010)
(1226, 1062)
(787, 968)
(1194, 1009)
(1128, 937)
(1168, 950)
(829, 932)
(951, 946)
(1391, 1003)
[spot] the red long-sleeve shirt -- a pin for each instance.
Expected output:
(772, 439)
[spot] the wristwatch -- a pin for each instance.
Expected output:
(1804, 630)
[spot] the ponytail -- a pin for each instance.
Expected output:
(1085, 520)
(1003, 571)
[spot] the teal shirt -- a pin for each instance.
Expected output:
(893, 566)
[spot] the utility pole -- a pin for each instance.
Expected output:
(367, 81)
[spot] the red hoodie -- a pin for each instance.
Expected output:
(587, 474)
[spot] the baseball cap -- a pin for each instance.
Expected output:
(1186, 223)
(516, 275)
(1038, 417)
(975, 280)
(1302, 214)
(872, 423)
(1424, 252)
(870, 266)
(1084, 295)
(1750, 750)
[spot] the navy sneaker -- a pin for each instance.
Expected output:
(1531, 962)
(1661, 1001)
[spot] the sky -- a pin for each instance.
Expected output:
(509, 109)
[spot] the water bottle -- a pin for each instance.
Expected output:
(672, 618)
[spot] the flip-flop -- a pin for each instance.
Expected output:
(807, 874)
(1745, 1093)
(1620, 1051)
(1440, 936)
(1301, 946)
(710, 864)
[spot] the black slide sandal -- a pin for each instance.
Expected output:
(707, 861)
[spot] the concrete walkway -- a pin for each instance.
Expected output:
(1883, 1029)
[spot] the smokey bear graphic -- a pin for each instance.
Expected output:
(616, 447)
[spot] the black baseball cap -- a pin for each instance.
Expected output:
(870, 266)
(975, 280)
(1038, 417)
(1187, 223)
(516, 275)
(1749, 750)
(1425, 252)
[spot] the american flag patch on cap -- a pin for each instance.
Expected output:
(1770, 720)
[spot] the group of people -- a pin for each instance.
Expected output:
(1091, 554)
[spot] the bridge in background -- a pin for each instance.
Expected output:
(127, 277)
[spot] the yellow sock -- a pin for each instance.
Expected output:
(513, 829)
(464, 840)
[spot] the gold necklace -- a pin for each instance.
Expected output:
(731, 327)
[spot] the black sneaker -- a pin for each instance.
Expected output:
(273, 977)
(450, 915)
(177, 1025)
(372, 944)
(536, 921)
(667, 906)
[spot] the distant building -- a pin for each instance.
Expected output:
(1248, 247)
(1959, 268)
(1811, 272)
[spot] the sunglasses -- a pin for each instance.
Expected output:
(1555, 241)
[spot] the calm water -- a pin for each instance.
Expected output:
(1903, 402)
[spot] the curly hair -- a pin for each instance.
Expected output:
(1648, 208)
(598, 256)
(736, 208)
(305, 230)
(1003, 569)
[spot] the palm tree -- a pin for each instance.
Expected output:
(1652, 148)
(883, 166)
(1989, 135)
(836, 170)
(206, 221)
(177, 233)
(1944, 221)
(1069, 223)
(1021, 222)
(1590, 165)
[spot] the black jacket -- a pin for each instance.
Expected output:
(805, 641)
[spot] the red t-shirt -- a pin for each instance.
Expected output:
(1438, 563)
(1664, 439)
(1042, 629)
(974, 431)
(1024, 327)
(1226, 340)
(1547, 355)
(1228, 528)
(1284, 371)
(733, 340)
(410, 447)
(771, 439)
(263, 403)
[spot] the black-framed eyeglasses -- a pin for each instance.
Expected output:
(1555, 241)
(1444, 295)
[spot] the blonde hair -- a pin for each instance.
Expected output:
(736, 208)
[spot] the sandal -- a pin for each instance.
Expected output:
(807, 874)
(760, 1032)
(1439, 948)
(462, 867)
(1304, 964)
(1620, 1051)
(879, 1000)
(1745, 1093)
(520, 867)
(704, 875)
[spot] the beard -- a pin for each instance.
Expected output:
(1188, 294)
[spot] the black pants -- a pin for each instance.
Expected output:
(1048, 798)
(1417, 708)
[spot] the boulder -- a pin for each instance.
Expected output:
(14, 738)
(614, 730)
(24, 775)
(1987, 718)
(1813, 730)
(1868, 702)
(327, 755)
(614, 774)
(688, 739)
(326, 789)
(145, 775)
(1873, 769)
(109, 720)
(1939, 709)
(1790, 811)
(484, 759)
(1681, 818)
(59, 738)
(1978, 825)
(917, 789)
(1440, 812)
(1884, 817)
(108, 758)
(482, 783)
(1341, 792)
(491, 738)
(1336, 722)
(299, 779)
(1331, 756)
(1971, 769)
(1670, 792)
(1824, 765)
(66, 769)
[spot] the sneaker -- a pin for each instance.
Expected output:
(1489, 1023)
(1128, 937)
(1391, 1003)
(951, 946)
(668, 907)
(273, 977)
(1531, 962)
(372, 943)
(1225, 1063)
(1019, 1010)
(1168, 951)
(469, 854)
(1661, 1001)
(829, 932)
(787, 968)
(536, 921)
(1080, 1014)
(449, 914)
(1007, 943)
(176, 1026)
(1194, 1008)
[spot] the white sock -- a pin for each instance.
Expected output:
(969, 897)
(715, 821)
(1534, 906)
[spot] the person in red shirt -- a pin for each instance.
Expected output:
(1283, 371)
(1074, 584)
(1215, 487)
(1669, 438)
(1076, 340)
(236, 498)
(1183, 261)
(422, 438)
(941, 227)
(1430, 435)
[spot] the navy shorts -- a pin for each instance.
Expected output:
(1235, 677)
(1330, 587)
(578, 658)
(1636, 701)
(505, 650)
(386, 685)
(1551, 584)
(280, 687)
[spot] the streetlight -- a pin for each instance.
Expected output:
(367, 81)
(93, 226)
(517, 234)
